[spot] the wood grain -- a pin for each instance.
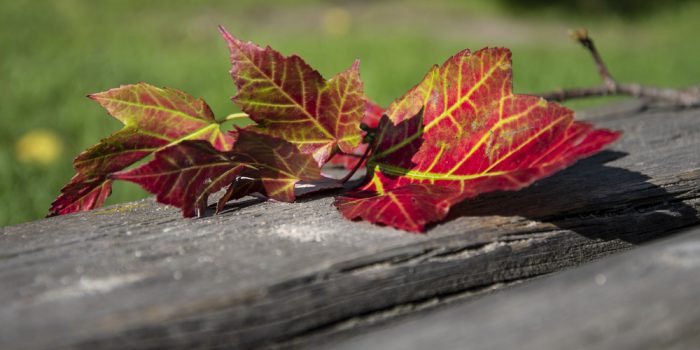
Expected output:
(643, 299)
(266, 274)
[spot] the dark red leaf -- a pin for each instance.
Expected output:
(280, 164)
(81, 194)
(185, 174)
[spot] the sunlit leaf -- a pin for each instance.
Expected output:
(467, 133)
(153, 118)
(289, 99)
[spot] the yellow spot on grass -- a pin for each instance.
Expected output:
(336, 21)
(39, 146)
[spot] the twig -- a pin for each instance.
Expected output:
(687, 98)
(676, 97)
(582, 37)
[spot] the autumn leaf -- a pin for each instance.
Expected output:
(81, 194)
(458, 133)
(248, 184)
(289, 99)
(280, 163)
(408, 207)
(462, 129)
(153, 118)
(185, 174)
(373, 113)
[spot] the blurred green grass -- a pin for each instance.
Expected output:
(56, 52)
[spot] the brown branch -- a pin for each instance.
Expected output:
(610, 87)
(582, 37)
(688, 98)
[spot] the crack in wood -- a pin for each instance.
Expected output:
(344, 328)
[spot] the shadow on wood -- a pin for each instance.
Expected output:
(593, 200)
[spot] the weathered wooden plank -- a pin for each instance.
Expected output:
(139, 276)
(643, 299)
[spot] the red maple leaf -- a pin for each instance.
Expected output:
(153, 118)
(373, 112)
(280, 164)
(461, 132)
(185, 174)
(289, 99)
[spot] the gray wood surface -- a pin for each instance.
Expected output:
(644, 299)
(137, 276)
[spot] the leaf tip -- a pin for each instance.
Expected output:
(222, 30)
(95, 96)
(227, 36)
(614, 135)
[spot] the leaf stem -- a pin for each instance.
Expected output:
(610, 86)
(357, 166)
